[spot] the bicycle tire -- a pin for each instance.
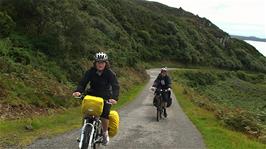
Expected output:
(159, 113)
(86, 137)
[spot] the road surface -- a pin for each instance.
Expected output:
(139, 128)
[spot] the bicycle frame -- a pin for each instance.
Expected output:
(161, 103)
(161, 91)
(95, 129)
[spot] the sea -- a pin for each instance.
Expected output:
(260, 46)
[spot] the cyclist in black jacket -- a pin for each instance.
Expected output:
(103, 83)
(163, 81)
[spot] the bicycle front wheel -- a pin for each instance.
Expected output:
(159, 110)
(158, 114)
(86, 137)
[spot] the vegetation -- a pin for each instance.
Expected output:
(18, 133)
(47, 45)
(215, 134)
(31, 83)
(236, 98)
(129, 30)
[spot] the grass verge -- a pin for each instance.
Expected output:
(15, 134)
(215, 135)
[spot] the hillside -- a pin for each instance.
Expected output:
(46, 45)
(252, 38)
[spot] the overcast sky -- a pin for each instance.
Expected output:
(236, 17)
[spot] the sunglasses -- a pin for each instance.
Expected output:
(101, 61)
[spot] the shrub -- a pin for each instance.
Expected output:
(20, 55)
(241, 120)
(197, 79)
(241, 75)
(6, 24)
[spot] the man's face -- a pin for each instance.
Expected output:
(163, 73)
(100, 65)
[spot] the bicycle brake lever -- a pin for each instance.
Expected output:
(79, 97)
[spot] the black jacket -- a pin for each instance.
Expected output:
(162, 82)
(104, 85)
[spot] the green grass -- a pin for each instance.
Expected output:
(238, 93)
(129, 96)
(215, 135)
(229, 92)
(13, 132)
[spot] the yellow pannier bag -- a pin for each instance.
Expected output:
(113, 123)
(92, 105)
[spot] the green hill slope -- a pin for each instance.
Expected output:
(237, 98)
(46, 44)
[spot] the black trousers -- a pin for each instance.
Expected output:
(106, 110)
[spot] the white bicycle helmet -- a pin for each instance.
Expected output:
(100, 56)
(163, 69)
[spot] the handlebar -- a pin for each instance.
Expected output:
(164, 90)
(81, 97)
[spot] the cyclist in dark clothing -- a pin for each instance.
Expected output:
(163, 81)
(103, 83)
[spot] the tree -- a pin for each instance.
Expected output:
(6, 25)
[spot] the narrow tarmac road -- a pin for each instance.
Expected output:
(139, 128)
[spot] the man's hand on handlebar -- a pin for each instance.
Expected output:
(76, 94)
(112, 101)
(153, 89)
